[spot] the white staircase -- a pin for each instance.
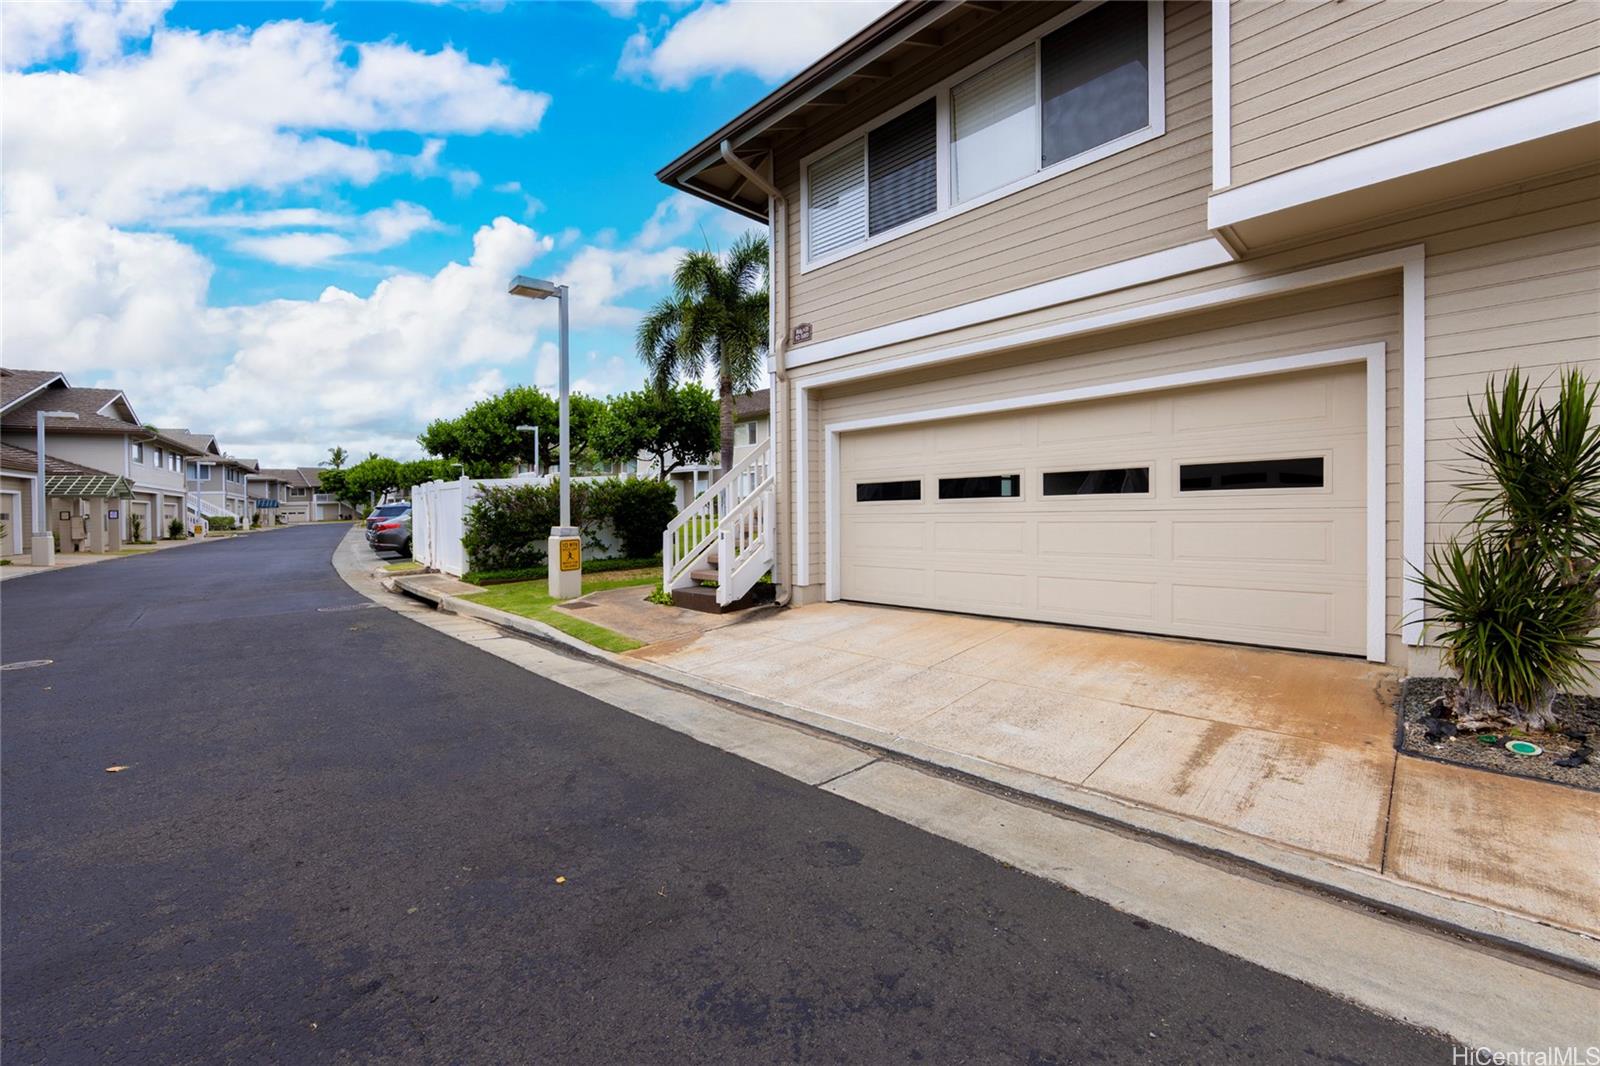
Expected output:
(203, 509)
(725, 535)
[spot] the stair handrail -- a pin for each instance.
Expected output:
(695, 529)
(743, 533)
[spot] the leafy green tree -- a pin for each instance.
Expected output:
(336, 458)
(485, 437)
(716, 318)
(372, 476)
(675, 427)
(418, 471)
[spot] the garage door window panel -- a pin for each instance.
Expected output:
(888, 491)
(1114, 481)
(981, 487)
(1248, 475)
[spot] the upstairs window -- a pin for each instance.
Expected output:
(137, 451)
(874, 184)
(1094, 78)
(1080, 87)
(994, 136)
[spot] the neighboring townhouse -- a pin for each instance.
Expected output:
(98, 430)
(752, 426)
(215, 481)
(1160, 317)
(267, 493)
(323, 506)
(83, 506)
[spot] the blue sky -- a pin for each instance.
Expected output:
(291, 224)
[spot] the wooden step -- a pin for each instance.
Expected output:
(702, 574)
(701, 598)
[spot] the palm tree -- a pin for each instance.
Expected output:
(335, 459)
(716, 317)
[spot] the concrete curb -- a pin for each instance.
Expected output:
(1491, 927)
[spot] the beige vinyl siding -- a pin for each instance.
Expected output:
(1512, 276)
(1144, 199)
(1311, 81)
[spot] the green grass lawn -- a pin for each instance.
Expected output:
(404, 564)
(532, 599)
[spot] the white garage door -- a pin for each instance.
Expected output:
(1231, 512)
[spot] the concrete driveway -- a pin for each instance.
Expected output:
(1293, 749)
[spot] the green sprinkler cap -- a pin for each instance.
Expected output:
(1522, 747)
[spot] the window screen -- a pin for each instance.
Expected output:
(1097, 482)
(1094, 80)
(902, 182)
(885, 491)
(976, 488)
(836, 200)
(1251, 474)
(994, 120)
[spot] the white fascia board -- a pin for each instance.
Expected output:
(1543, 114)
(1157, 266)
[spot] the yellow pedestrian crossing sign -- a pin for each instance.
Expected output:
(571, 553)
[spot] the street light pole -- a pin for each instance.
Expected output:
(565, 553)
(44, 545)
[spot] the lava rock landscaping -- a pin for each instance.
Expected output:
(1569, 756)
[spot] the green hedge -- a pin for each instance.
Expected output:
(508, 526)
(220, 522)
(536, 573)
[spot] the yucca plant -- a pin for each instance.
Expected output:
(1515, 601)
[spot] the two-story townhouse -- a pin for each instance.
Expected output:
(1161, 317)
(324, 506)
(215, 481)
(97, 429)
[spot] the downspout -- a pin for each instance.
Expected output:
(778, 334)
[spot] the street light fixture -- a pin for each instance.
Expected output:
(44, 545)
(564, 557)
(535, 431)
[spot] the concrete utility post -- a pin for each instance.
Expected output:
(44, 545)
(564, 551)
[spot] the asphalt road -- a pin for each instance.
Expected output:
(339, 837)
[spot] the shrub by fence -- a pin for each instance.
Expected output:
(507, 526)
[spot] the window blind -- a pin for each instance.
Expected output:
(1095, 80)
(994, 136)
(836, 200)
(902, 168)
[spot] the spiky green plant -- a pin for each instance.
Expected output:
(1514, 603)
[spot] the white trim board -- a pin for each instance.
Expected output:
(1157, 266)
(1371, 355)
(1221, 93)
(1409, 261)
(1542, 114)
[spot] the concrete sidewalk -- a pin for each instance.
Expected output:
(1293, 750)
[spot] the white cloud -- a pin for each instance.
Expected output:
(768, 38)
(207, 113)
(94, 29)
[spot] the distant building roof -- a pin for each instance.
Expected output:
(17, 385)
(751, 405)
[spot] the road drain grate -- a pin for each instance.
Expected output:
(27, 664)
(345, 607)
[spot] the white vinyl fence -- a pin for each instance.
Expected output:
(439, 520)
